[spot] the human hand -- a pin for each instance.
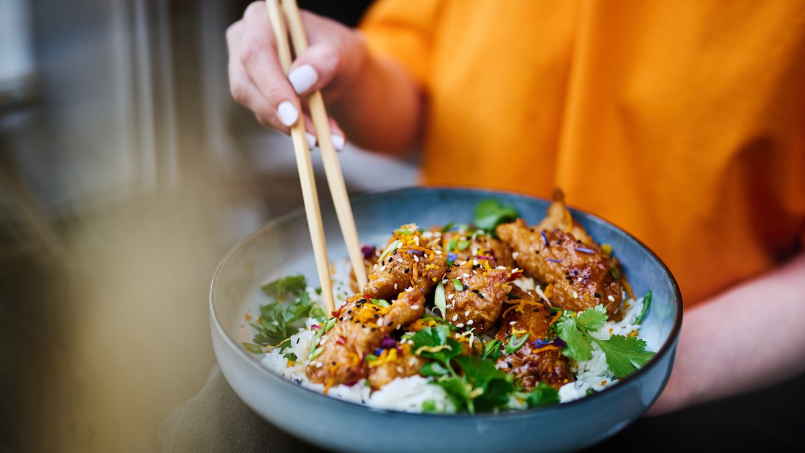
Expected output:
(257, 81)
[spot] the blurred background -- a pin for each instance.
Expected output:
(126, 173)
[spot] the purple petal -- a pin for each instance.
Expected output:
(452, 256)
(415, 252)
(367, 251)
(388, 343)
(585, 250)
(559, 343)
(547, 244)
(553, 260)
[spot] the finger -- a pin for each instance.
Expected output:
(242, 87)
(259, 59)
(320, 63)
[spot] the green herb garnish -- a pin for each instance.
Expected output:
(463, 245)
(429, 406)
(439, 300)
(542, 395)
(646, 303)
(489, 213)
(451, 244)
(286, 287)
(458, 285)
(392, 247)
(492, 350)
(615, 273)
(381, 302)
(291, 356)
(447, 227)
(624, 354)
(278, 322)
(515, 343)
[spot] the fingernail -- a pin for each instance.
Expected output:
(287, 112)
(311, 140)
(339, 142)
(302, 78)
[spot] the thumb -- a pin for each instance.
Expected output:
(315, 68)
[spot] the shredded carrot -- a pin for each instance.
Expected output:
(548, 291)
(545, 348)
(555, 318)
(248, 317)
(627, 287)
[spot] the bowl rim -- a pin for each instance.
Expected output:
(664, 350)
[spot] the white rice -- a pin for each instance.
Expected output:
(408, 394)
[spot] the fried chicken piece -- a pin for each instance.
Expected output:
(406, 266)
(532, 363)
(559, 217)
(359, 330)
(467, 246)
(578, 275)
(394, 363)
(479, 301)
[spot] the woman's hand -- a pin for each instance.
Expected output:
(256, 78)
(373, 98)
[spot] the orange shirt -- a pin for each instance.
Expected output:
(681, 121)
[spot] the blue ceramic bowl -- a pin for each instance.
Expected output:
(283, 247)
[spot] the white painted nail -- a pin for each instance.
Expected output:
(311, 140)
(287, 112)
(302, 78)
(339, 142)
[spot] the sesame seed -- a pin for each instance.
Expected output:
(611, 299)
(469, 323)
(454, 317)
(467, 313)
(513, 323)
(414, 307)
(575, 295)
(461, 324)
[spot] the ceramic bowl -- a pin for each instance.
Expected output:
(283, 247)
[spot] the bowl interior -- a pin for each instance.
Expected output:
(283, 247)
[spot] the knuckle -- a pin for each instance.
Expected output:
(253, 9)
(238, 92)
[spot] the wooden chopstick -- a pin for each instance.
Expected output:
(305, 167)
(332, 168)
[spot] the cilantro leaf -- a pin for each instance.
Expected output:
(490, 386)
(278, 322)
(578, 346)
(592, 319)
(542, 395)
(489, 213)
(433, 369)
(492, 350)
(459, 394)
(286, 287)
(291, 356)
(429, 406)
(624, 354)
(436, 343)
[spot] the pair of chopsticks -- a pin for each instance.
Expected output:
(280, 11)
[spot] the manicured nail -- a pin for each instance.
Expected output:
(339, 142)
(288, 114)
(302, 78)
(311, 140)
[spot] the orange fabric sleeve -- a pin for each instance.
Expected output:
(403, 30)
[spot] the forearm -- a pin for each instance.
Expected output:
(748, 337)
(381, 108)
